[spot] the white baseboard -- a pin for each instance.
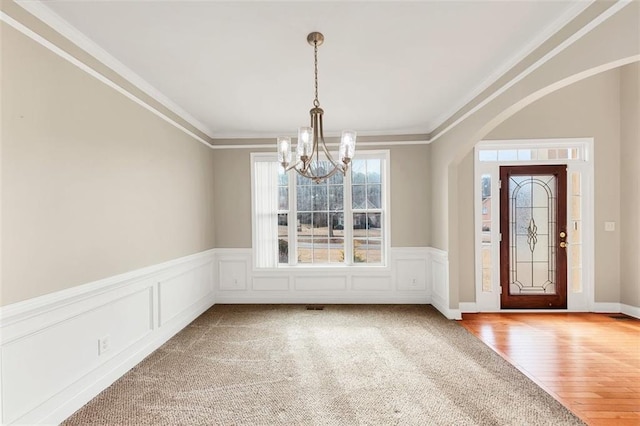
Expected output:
(50, 359)
(452, 314)
(355, 298)
(632, 311)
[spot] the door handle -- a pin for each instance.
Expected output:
(563, 244)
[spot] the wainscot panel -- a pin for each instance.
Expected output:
(321, 283)
(60, 350)
(271, 283)
(439, 283)
(233, 270)
(371, 283)
(405, 280)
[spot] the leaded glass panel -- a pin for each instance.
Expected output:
(532, 234)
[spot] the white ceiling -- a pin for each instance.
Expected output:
(244, 69)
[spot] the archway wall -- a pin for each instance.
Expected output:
(611, 44)
(589, 108)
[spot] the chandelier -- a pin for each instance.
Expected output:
(313, 159)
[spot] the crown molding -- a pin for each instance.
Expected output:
(39, 9)
(512, 61)
(611, 10)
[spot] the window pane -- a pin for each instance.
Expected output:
(359, 251)
(320, 250)
(507, 155)
(488, 155)
(283, 238)
(305, 252)
(319, 197)
(304, 198)
(374, 196)
(302, 181)
(337, 179)
(358, 171)
(304, 224)
(374, 250)
(373, 171)
(359, 196)
(336, 198)
(283, 198)
(320, 223)
(336, 250)
(359, 224)
(374, 224)
(337, 224)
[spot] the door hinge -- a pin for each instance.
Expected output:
(500, 184)
(500, 237)
(500, 289)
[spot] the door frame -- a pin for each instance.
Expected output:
(489, 300)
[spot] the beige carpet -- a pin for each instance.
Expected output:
(344, 365)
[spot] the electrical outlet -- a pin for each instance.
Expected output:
(609, 226)
(104, 345)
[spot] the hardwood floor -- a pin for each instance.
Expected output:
(588, 362)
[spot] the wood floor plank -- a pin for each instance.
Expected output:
(588, 362)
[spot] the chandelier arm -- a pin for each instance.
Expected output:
(326, 150)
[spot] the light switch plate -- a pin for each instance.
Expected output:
(609, 226)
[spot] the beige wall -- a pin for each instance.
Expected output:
(410, 207)
(590, 108)
(92, 184)
(630, 185)
(466, 219)
(613, 43)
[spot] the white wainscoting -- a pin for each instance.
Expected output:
(440, 280)
(51, 361)
(410, 278)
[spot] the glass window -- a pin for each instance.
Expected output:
(342, 215)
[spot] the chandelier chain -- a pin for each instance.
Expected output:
(316, 102)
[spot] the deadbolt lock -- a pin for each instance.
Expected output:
(563, 234)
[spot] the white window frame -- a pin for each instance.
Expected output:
(490, 301)
(385, 157)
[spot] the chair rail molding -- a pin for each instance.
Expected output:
(60, 350)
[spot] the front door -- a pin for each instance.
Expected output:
(533, 219)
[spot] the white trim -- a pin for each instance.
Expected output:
(439, 283)
(533, 44)
(633, 311)
(537, 64)
(41, 11)
(407, 280)
(271, 146)
(139, 310)
(92, 72)
(37, 305)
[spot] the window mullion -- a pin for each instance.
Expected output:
(348, 220)
(293, 219)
